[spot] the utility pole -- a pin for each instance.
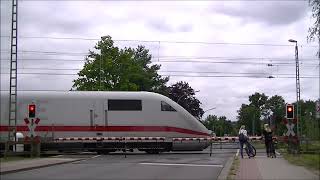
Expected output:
(319, 67)
(297, 84)
(13, 74)
(297, 88)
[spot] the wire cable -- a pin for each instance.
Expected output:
(162, 41)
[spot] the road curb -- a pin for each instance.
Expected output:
(37, 167)
(225, 170)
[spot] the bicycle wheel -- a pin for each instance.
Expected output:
(251, 150)
(273, 151)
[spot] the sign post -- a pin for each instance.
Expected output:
(291, 136)
(32, 136)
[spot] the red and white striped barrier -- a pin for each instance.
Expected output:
(144, 138)
(107, 138)
(218, 138)
(155, 138)
(192, 139)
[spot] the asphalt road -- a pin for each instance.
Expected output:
(135, 166)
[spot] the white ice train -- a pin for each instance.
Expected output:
(79, 114)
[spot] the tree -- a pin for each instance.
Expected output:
(249, 115)
(210, 122)
(220, 125)
(115, 69)
(308, 124)
(184, 95)
(276, 105)
(314, 30)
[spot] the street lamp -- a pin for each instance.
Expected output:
(297, 81)
(184, 95)
(207, 111)
(292, 40)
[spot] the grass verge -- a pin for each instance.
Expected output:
(14, 158)
(258, 145)
(311, 161)
(234, 168)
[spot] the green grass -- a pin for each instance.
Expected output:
(310, 161)
(311, 146)
(234, 168)
(14, 158)
(258, 144)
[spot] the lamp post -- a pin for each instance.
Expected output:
(297, 83)
(212, 129)
(207, 111)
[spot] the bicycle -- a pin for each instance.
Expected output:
(273, 149)
(250, 149)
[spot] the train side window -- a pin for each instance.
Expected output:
(124, 105)
(166, 107)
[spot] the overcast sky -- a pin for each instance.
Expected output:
(168, 25)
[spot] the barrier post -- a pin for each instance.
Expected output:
(211, 146)
(125, 147)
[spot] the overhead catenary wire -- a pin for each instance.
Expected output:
(182, 75)
(162, 71)
(161, 41)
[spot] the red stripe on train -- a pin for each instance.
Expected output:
(108, 128)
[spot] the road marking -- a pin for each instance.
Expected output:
(193, 165)
(237, 154)
(87, 159)
(95, 156)
(57, 156)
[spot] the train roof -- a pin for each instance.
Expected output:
(89, 94)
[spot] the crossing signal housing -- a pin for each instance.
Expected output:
(290, 111)
(32, 111)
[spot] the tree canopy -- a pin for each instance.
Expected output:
(110, 68)
(314, 30)
(182, 93)
(220, 125)
(271, 110)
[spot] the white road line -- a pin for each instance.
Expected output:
(237, 154)
(87, 159)
(95, 156)
(57, 156)
(193, 165)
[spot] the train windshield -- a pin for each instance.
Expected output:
(166, 107)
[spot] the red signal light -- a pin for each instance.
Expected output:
(290, 111)
(31, 108)
(32, 111)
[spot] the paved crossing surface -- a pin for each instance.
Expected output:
(263, 168)
(173, 165)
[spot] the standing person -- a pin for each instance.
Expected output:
(267, 132)
(243, 137)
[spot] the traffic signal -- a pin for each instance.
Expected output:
(32, 111)
(290, 111)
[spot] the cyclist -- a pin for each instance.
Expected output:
(243, 138)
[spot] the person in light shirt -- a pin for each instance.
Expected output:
(243, 138)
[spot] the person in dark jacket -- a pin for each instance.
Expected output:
(267, 133)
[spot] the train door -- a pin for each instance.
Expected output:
(106, 117)
(97, 116)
